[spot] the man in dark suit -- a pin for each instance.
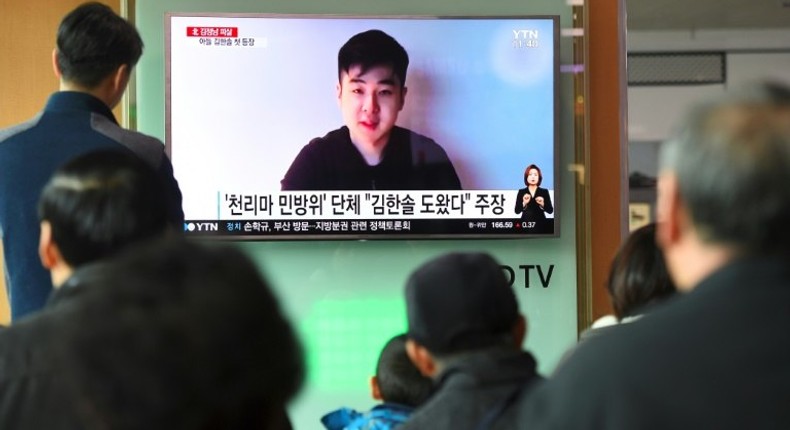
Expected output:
(95, 53)
(718, 356)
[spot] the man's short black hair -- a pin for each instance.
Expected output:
(100, 202)
(93, 41)
(370, 49)
(399, 380)
(179, 335)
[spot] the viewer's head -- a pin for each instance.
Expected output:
(180, 335)
(397, 380)
(533, 175)
(98, 204)
(638, 276)
(93, 43)
(459, 303)
(724, 178)
(371, 85)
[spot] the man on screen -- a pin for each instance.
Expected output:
(370, 152)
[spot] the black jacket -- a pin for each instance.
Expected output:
(71, 124)
(482, 384)
(716, 358)
(33, 385)
(532, 211)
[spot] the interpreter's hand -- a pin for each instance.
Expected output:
(525, 199)
(539, 201)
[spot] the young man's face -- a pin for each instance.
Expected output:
(370, 103)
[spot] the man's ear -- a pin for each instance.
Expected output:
(520, 331)
(121, 77)
(421, 357)
(339, 91)
(118, 81)
(48, 250)
(669, 211)
(403, 92)
(55, 66)
(375, 391)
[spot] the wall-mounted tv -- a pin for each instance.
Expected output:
(312, 127)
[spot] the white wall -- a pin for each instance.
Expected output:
(654, 111)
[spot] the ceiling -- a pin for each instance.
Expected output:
(707, 14)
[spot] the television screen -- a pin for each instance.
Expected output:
(332, 127)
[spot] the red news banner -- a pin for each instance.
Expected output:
(212, 32)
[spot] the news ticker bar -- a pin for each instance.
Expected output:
(369, 227)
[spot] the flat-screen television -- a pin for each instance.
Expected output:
(313, 127)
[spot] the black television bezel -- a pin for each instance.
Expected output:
(378, 236)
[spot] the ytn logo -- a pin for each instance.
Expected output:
(525, 38)
(201, 226)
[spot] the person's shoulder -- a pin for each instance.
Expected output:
(148, 148)
(385, 416)
(339, 418)
(332, 138)
(31, 375)
(24, 345)
(586, 383)
(421, 144)
(449, 405)
(8, 133)
(110, 128)
(612, 354)
(622, 352)
(418, 421)
(408, 135)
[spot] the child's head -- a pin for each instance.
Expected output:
(397, 380)
(370, 49)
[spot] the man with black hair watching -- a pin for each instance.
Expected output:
(92, 208)
(397, 383)
(465, 332)
(95, 53)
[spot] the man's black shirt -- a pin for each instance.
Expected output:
(410, 161)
